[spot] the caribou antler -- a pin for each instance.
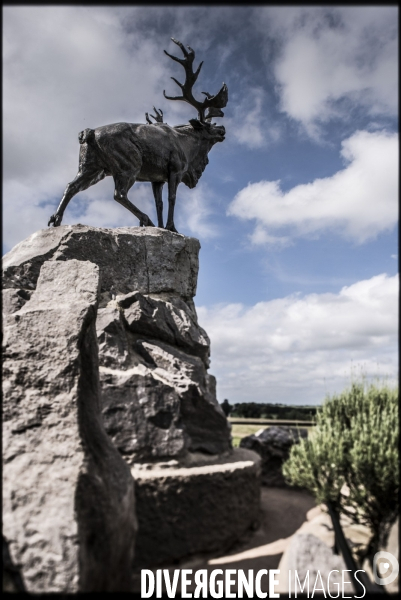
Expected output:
(158, 118)
(212, 102)
(212, 111)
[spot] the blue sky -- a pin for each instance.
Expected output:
(297, 210)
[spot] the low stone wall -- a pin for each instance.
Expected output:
(201, 507)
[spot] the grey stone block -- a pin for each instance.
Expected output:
(129, 258)
(68, 497)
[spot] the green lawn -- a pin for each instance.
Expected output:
(240, 431)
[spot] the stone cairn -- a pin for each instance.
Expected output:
(116, 453)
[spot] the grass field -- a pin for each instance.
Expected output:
(240, 431)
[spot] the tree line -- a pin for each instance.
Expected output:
(256, 410)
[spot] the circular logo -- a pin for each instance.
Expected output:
(385, 568)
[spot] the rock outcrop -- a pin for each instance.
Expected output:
(68, 497)
(158, 401)
(273, 446)
(105, 378)
(129, 258)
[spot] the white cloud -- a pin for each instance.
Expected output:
(330, 55)
(25, 210)
(297, 349)
(31, 208)
(248, 126)
(358, 202)
(195, 211)
(261, 237)
(67, 68)
(101, 210)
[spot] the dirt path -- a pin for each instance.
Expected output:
(282, 512)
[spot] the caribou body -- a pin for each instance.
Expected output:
(153, 152)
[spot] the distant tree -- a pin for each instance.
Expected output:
(257, 410)
(351, 459)
(249, 410)
(226, 406)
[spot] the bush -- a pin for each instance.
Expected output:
(351, 459)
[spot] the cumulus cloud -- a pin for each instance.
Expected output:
(358, 202)
(28, 208)
(333, 59)
(196, 209)
(248, 125)
(298, 349)
(100, 207)
(25, 210)
(67, 68)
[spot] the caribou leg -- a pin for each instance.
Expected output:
(157, 188)
(123, 182)
(82, 181)
(173, 182)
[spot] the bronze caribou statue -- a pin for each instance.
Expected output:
(153, 152)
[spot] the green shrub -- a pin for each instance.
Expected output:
(351, 459)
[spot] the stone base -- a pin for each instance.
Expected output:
(199, 507)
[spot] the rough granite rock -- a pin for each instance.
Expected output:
(102, 337)
(273, 445)
(159, 402)
(307, 554)
(311, 550)
(158, 399)
(13, 300)
(163, 406)
(147, 259)
(68, 496)
(171, 321)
